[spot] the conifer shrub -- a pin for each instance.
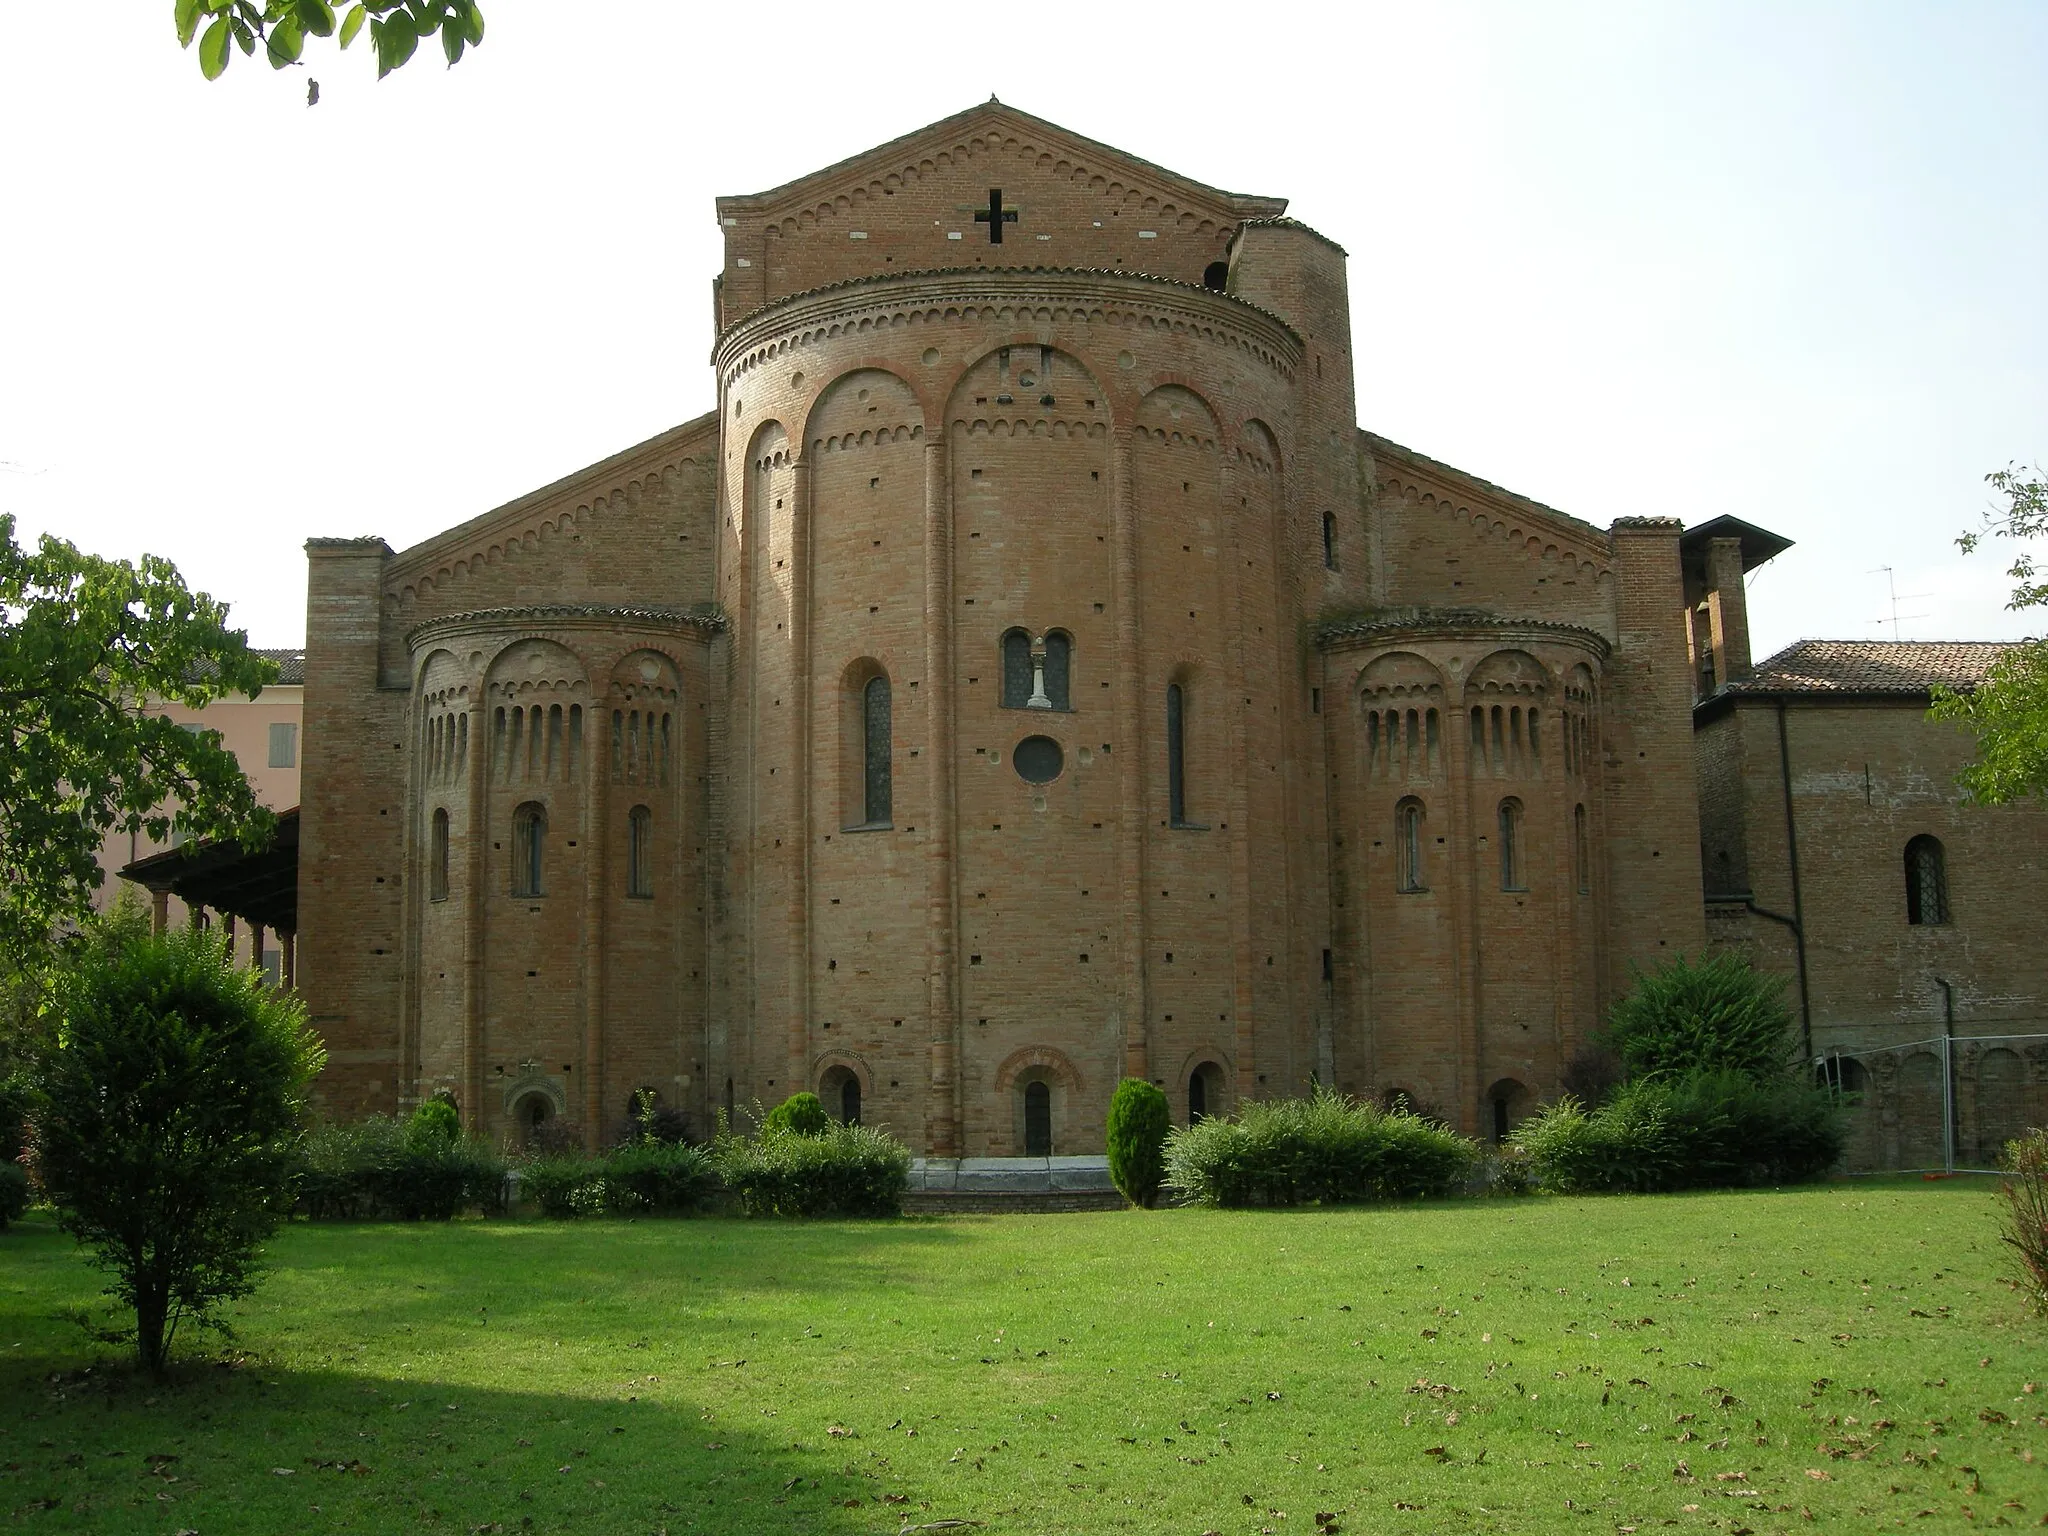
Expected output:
(1713, 1014)
(801, 1114)
(845, 1170)
(1138, 1124)
(1326, 1149)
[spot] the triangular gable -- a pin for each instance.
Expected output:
(542, 515)
(881, 169)
(1542, 530)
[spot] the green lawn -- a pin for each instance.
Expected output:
(1732, 1362)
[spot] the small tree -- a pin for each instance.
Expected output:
(167, 1114)
(1138, 1124)
(1710, 1014)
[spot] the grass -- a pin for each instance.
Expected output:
(1724, 1362)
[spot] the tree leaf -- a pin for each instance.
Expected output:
(316, 17)
(284, 44)
(188, 21)
(245, 37)
(351, 24)
(213, 49)
(451, 42)
(472, 22)
(395, 39)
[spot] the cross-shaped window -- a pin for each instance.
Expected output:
(995, 216)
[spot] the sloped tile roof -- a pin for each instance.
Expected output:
(1874, 666)
(291, 665)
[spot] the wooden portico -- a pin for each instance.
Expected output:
(220, 876)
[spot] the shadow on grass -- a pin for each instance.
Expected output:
(369, 1434)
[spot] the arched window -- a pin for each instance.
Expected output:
(1511, 874)
(1176, 756)
(877, 753)
(1059, 668)
(1216, 276)
(1037, 1120)
(1408, 845)
(1016, 669)
(1926, 881)
(1330, 541)
(849, 1100)
(529, 844)
(1198, 1097)
(437, 858)
(640, 851)
(1582, 859)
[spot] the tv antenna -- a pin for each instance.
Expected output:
(1892, 587)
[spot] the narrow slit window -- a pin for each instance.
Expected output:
(877, 753)
(1329, 541)
(1511, 876)
(640, 852)
(1582, 860)
(1408, 845)
(529, 847)
(437, 858)
(1176, 756)
(1059, 668)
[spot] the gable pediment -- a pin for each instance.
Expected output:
(994, 134)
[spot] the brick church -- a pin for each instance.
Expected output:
(1027, 675)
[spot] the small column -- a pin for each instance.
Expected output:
(1133, 805)
(943, 1130)
(159, 911)
(256, 944)
(288, 953)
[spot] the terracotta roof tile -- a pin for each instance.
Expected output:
(1874, 666)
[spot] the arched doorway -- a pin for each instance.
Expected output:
(1206, 1094)
(530, 1116)
(841, 1091)
(1507, 1106)
(1038, 1119)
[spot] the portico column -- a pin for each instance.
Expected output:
(256, 944)
(159, 911)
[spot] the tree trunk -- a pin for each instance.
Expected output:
(152, 1311)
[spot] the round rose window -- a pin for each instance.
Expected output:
(1038, 759)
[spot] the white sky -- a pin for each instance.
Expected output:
(1780, 260)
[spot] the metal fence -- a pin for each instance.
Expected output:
(1947, 1104)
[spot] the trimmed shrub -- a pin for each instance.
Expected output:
(1709, 1130)
(659, 1176)
(801, 1114)
(1707, 1015)
(1327, 1149)
(1138, 1123)
(13, 1193)
(848, 1170)
(2025, 1229)
(556, 1183)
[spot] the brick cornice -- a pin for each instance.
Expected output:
(564, 616)
(821, 313)
(1453, 624)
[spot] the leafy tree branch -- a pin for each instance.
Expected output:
(90, 650)
(2008, 711)
(282, 29)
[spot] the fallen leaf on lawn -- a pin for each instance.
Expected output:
(1818, 1475)
(282, 1472)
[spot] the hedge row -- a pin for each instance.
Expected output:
(424, 1169)
(1325, 1149)
(1710, 1130)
